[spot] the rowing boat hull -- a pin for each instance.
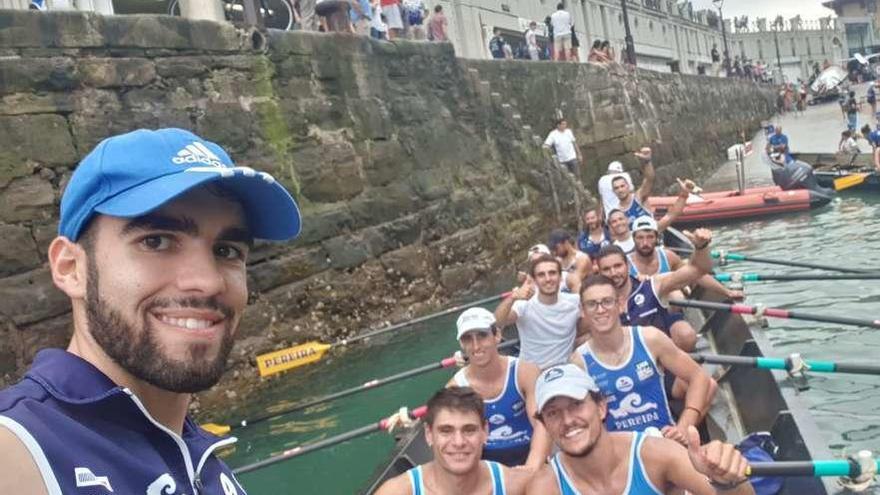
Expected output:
(735, 207)
(870, 184)
(830, 166)
(750, 400)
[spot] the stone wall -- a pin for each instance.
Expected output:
(418, 173)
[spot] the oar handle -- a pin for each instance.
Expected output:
(761, 277)
(727, 256)
(775, 363)
(835, 467)
(775, 313)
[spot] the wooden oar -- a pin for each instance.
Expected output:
(343, 437)
(724, 256)
(850, 180)
(763, 277)
(775, 313)
(302, 354)
(787, 364)
(448, 362)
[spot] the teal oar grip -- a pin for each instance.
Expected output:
(766, 363)
(744, 277)
(821, 366)
(832, 468)
(723, 277)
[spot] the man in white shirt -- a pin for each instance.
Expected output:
(561, 141)
(532, 40)
(610, 201)
(561, 22)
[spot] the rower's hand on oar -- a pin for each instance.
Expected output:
(721, 462)
(525, 291)
(675, 433)
(700, 238)
(735, 295)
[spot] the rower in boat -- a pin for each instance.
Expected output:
(618, 227)
(595, 235)
(630, 363)
(576, 264)
(634, 203)
(507, 386)
(534, 253)
(619, 223)
(642, 300)
(610, 201)
(455, 430)
(594, 460)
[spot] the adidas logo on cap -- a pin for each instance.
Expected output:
(197, 153)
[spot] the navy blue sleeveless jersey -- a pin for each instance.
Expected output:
(88, 435)
(643, 307)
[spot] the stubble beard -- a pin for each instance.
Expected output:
(139, 353)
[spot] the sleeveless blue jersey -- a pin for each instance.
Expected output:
(586, 245)
(417, 479)
(634, 390)
(509, 426)
(659, 253)
(874, 137)
(88, 435)
(638, 483)
(636, 210)
(643, 307)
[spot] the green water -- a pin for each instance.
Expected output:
(845, 406)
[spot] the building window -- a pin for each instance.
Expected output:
(793, 48)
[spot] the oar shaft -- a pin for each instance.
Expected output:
(800, 264)
(776, 313)
(759, 277)
(420, 319)
(836, 467)
(774, 363)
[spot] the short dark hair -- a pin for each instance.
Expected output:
(610, 250)
(462, 399)
(438, 8)
(594, 280)
(616, 211)
(597, 44)
(617, 178)
(544, 258)
(560, 6)
(559, 121)
(866, 129)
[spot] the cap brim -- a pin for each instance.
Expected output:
(462, 333)
(271, 211)
(567, 393)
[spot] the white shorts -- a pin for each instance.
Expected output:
(392, 16)
(562, 43)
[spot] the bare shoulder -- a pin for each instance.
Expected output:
(18, 470)
(673, 257)
(516, 480)
(527, 373)
(398, 485)
(659, 455)
(542, 482)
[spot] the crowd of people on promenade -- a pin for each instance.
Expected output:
(587, 405)
(380, 19)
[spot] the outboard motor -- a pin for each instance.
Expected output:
(795, 174)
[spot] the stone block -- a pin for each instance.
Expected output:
(457, 278)
(283, 43)
(18, 251)
(30, 297)
(183, 66)
(147, 31)
(20, 28)
(28, 103)
(382, 204)
(27, 199)
(43, 234)
(322, 221)
(346, 251)
(329, 173)
(37, 74)
(371, 119)
(386, 162)
(292, 267)
(114, 72)
(431, 184)
(52, 333)
(39, 138)
(293, 66)
(412, 262)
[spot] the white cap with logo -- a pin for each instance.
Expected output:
(537, 249)
(565, 380)
(474, 319)
(615, 167)
(644, 222)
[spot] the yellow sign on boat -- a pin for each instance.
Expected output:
(292, 357)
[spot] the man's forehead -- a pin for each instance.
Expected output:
(454, 417)
(598, 290)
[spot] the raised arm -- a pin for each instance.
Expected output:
(505, 314)
(527, 375)
(713, 469)
(685, 188)
(700, 264)
(645, 157)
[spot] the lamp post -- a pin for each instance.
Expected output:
(718, 4)
(628, 38)
(776, 41)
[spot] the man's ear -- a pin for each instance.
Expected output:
(67, 260)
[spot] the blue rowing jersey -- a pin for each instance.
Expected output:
(509, 425)
(586, 245)
(417, 479)
(663, 263)
(644, 307)
(637, 484)
(89, 436)
(634, 390)
(874, 137)
(636, 210)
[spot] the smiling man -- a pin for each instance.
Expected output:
(507, 386)
(154, 234)
(594, 460)
(456, 431)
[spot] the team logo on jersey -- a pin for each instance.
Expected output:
(639, 299)
(518, 407)
(227, 485)
(624, 384)
(164, 485)
(630, 405)
(497, 419)
(85, 478)
(644, 370)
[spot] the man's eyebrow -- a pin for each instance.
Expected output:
(155, 221)
(237, 234)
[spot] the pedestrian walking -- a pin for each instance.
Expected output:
(562, 25)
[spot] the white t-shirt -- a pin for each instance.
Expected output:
(610, 200)
(531, 40)
(563, 143)
(628, 245)
(561, 22)
(546, 333)
(849, 146)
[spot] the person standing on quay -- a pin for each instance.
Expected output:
(532, 41)
(561, 142)
(437, 25)
(561, 21)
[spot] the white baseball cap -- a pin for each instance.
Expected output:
(474, 319)
(566, 380)
(615, 167)
(644, 222)
(537, 248)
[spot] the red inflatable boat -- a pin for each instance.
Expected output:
(731, 205)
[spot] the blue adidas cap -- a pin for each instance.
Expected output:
(135, 173)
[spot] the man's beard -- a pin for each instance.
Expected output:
(645, 251)
(580, 454)
(139, 353)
